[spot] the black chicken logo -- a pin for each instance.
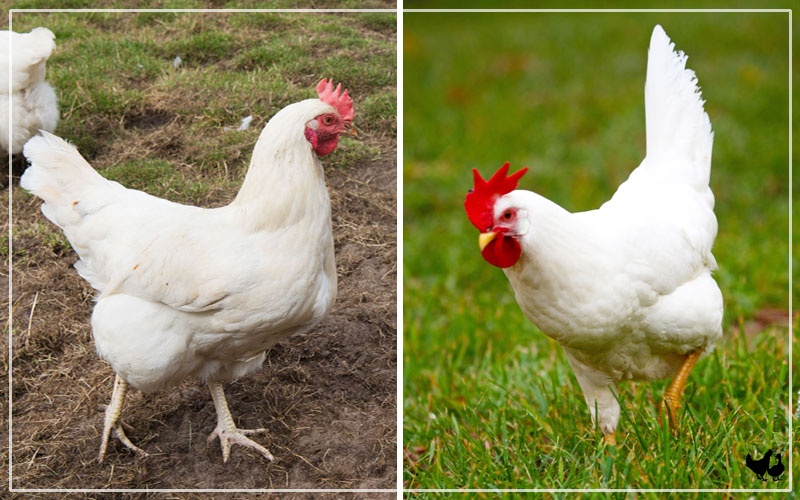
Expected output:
(761, 466)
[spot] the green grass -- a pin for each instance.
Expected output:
(489, 401)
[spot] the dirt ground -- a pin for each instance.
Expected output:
(327, 398)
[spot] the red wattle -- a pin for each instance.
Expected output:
(503, 251)
(327, 146)
(323, 146)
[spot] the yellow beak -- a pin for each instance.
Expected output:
(486, 238)
(350, 130)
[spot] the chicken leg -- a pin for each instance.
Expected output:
(226, 429)
(113, 422)
(672, 397)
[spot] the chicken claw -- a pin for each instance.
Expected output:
(113, 422)
(226, 429)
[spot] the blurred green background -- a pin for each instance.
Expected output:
(562, 93)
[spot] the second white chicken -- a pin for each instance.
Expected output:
(24, 94)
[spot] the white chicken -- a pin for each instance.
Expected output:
(625, 289)
(24, 94)
(195, 292)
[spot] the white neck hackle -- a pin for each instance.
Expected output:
(285, 180)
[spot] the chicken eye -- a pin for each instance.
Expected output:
(507, 215)
(328, 120)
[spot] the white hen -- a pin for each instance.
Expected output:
(625, 289)
(194, 292)
(22, 85)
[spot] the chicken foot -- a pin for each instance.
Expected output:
(672, 397)
(113, 422)
(226, 429)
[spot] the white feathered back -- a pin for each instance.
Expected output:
(670, 187)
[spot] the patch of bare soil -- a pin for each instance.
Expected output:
(327, 398)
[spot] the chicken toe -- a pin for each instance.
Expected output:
(113, 424)
(226, 429)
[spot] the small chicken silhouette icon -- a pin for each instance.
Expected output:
(759, 466)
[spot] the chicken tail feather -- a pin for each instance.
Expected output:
(678, 127)
(59, 175)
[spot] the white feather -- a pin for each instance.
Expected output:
(245, 124)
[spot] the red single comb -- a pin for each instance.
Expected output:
(479, 203)
(335, 97)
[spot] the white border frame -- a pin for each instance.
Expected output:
(400, 491)
(11, 488)
(789, 268)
